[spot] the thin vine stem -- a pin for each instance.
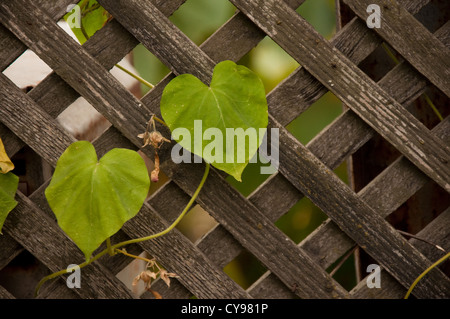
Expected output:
(115, 247)
(124, 252)
(108, 246)
(441, 260)
(137, 77)
(433, 107)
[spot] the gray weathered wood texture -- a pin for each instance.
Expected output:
(244, 223)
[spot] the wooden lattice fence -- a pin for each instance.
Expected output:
(374, 109)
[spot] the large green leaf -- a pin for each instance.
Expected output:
(235, 100)
(93, 199)
(8, 188)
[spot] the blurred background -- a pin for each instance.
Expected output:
(198, 19)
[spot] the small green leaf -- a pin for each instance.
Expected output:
(92, 18)
(8, 188)
(233, 105)
(93, 199)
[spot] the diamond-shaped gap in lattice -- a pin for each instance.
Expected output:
(344, 270)
(27, 71)
(251, 177)
(321, 14)
(370, 160)
(319, 115)
(198, 19)
(301, 220)
(270, 62)
(420, 209)
(378, 63)
(148, 66)
(83, 19)
(31, 169)
(133, 269)
(430, 107)
(245, 269)
(22, 274)
(196, 223)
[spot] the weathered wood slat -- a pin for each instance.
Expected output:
(352, 86)
(415, 43)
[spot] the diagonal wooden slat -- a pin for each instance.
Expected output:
(5, 294)
(352, 86)
(415, 43)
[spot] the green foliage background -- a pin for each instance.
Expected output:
(198, 19)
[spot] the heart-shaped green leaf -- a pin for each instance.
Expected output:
(93, 199)
(8, 188)
(218, 122)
